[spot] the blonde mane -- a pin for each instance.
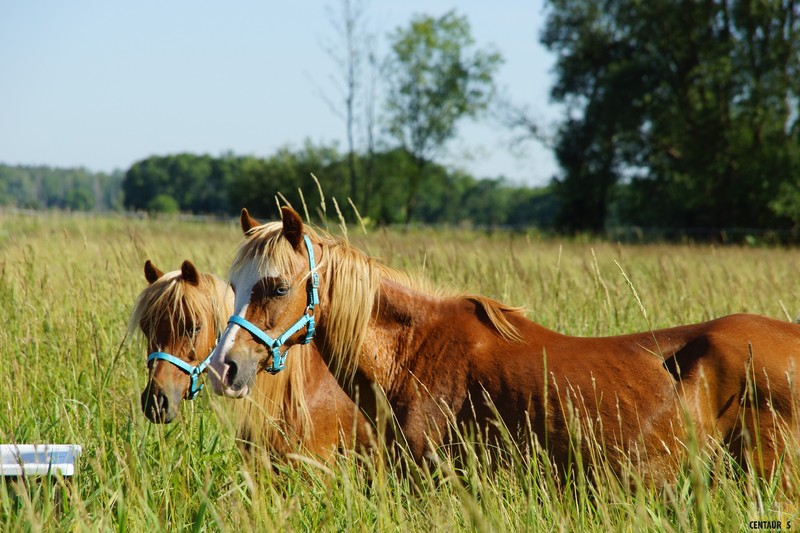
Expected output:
(263, 417)
(169, 297)
(261, 420)
(350, 284)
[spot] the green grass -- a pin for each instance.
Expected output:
(67, 286)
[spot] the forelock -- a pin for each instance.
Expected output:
(170, 298)
(267, 248)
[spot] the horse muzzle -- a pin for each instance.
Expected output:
(238, 374)
(160, 405)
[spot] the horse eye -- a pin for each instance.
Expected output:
(281, 290)
(194, 330)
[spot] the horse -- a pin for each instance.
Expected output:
(181, 314)
(440, 358)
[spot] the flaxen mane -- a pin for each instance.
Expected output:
(181, 303)
(349, 283)
(263, 415)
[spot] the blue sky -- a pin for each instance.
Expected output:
(103, 84)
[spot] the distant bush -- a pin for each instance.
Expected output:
(163, 203)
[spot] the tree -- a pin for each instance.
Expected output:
(690, 107)
(198, 183)
(258, 181)
(163, 203)
(351, 57)
(370, 104)
(436, 76)
(79, 199)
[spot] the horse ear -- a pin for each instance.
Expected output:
(151, 272)
(247, 221)
(292, 226)
(189, 273)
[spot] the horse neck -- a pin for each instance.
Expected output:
(401, 321)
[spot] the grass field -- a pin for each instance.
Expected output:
(67, 286)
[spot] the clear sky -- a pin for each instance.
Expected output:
(102, 84)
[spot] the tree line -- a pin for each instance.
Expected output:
(223, 185)
(43, 187)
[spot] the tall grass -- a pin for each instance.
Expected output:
(67, 286)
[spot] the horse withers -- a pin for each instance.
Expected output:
(181, 313)
(436, 358)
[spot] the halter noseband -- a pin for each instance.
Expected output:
(305, 321)
(193, 371)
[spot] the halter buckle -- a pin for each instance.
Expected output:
(192, 393)
(278, 361)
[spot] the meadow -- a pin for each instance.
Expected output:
(69, 375)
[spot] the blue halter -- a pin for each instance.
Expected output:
(305, 321)
(193, 371)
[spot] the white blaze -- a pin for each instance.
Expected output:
(244, 280)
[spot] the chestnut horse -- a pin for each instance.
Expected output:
(437, 358)
(181, 314)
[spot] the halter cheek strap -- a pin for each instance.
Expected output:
(193, 371)
(305, 321)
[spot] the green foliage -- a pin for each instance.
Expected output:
(163, 203)
(693, 107)
(196, 183)
(42, 187)
(258, 181)
(449, 197)
(787, 202)
(435, 77)
(79, 199)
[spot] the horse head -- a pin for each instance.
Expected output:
(179, 314)
(275, 283)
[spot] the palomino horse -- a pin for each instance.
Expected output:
(436, 358)
(181, 313)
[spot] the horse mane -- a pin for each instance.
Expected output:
(350, 282)
(275, 414)
(172, 298)
(496, 314)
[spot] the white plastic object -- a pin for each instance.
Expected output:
(38, 459)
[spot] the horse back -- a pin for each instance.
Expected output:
(636, 389)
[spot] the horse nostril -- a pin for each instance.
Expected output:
(230, 375)
(155, 406)
(240, 373)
